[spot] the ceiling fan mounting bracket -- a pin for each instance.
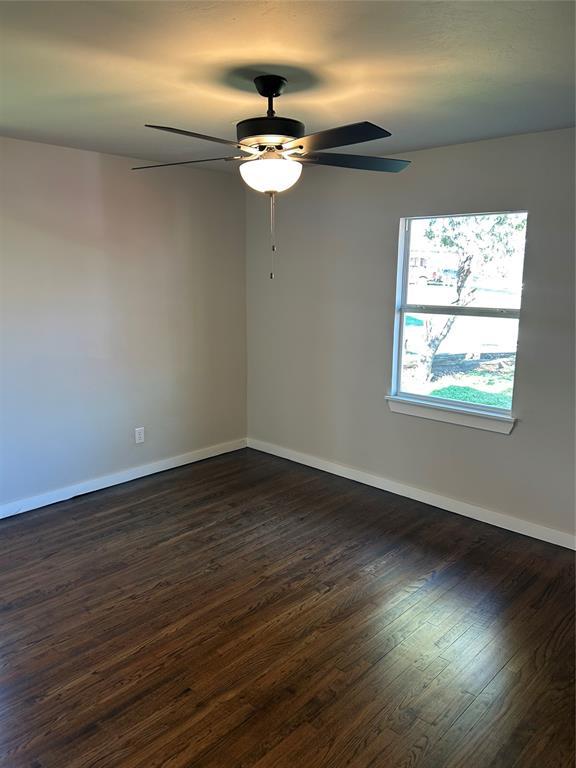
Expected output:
(270, 86)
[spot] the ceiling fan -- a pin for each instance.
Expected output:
(275, 147)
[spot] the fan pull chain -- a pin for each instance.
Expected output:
(272, 231)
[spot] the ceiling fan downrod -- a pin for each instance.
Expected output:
(270, 87)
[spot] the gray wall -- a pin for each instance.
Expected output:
(122, 305)
(320, 335)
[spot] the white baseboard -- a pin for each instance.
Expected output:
(509, 522)
(97, 483)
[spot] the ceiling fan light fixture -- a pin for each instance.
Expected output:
(271, 174)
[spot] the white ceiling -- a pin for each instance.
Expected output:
(90, 74)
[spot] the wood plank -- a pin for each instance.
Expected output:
(246, 611)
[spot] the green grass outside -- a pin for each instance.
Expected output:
(471, 395)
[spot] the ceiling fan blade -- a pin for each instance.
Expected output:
(362, 162)
(185, 162)
(195, 135)
(339, 137)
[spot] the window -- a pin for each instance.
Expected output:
(458, 304)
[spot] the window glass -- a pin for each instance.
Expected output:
(473, 261)
(464, 359)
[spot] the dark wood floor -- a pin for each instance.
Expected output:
(247, 611)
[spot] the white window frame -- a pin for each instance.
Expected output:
(437, 408)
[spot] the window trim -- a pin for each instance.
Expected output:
(437, 408)
(465, 417)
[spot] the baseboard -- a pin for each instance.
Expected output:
(444, 502)
(508, 522)
(96, 484)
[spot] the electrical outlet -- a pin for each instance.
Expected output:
(139, 435)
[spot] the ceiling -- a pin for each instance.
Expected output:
(90, 74)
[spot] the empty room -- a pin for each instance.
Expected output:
(287, 368)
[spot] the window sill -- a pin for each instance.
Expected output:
(493, 422)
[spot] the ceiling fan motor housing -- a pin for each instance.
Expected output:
(269, 130)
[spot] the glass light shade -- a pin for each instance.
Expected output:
(270, 175)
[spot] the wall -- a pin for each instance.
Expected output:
(320, 334)
(122, 305)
